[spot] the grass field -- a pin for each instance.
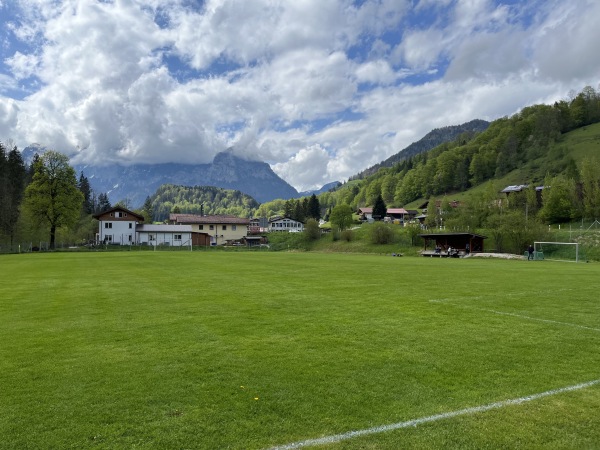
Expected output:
(259, 350)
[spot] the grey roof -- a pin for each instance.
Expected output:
(515, 188)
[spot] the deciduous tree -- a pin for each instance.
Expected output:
(52, 198)
(341, 216)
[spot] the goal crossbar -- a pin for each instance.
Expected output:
(538, 250)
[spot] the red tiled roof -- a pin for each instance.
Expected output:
(397, 211)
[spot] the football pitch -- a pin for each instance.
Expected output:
(248, 350)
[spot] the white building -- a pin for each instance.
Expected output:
(117, 226)
(285, 224)
(173, 235)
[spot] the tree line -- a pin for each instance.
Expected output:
(41, 199)
(170, 198)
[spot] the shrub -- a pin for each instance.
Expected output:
(347, 235)
(381, 233)
(312, 230)
(335, 234)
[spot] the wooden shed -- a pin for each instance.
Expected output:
(438, 244)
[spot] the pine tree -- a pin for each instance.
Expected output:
(379, 208)
(103, 203)
(12, 187)
(148, 210)
(84, 187)
(314, 208)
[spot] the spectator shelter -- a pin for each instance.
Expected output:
(452, 244)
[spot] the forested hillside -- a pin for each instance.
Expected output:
(431, 140)
(200, 199)
(529, 145)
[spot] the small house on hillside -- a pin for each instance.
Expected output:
(513, 189)
(285, 224)
(365, 214)
(438, 244)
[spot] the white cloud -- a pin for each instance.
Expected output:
(376, 72)
(307, 167)
(321, 90)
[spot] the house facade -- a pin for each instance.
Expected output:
(214, 229)
(365, 214)
(117, 226)
(171, 235)
(285, 224)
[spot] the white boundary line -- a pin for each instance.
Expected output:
(413, 423)
(445, 301)
(539, 320)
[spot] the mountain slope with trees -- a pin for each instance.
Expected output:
(529, 146)
(431, 140)
(197, 200)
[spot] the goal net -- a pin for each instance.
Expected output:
(556, 251)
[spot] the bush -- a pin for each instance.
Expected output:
(381, 233)
(347, 235)
(335, 234)
(312, 230)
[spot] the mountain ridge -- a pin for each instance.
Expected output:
(428, 142)
(227, 171)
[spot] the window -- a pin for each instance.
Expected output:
(201, 227)
(150, 237)
(108, 238)
(177, 237)
(130, 238)
(107, 225)
(233, 227)
(130, 225)
(224, 227)
(212, 227)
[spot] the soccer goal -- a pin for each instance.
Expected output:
(556, 251)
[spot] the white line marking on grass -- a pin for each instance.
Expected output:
(539, 320)
(445, 301)
(415, 422)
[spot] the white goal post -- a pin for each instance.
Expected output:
(556, 251)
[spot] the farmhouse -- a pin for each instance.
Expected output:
(365, 214)
(216, 229)
(117, 226)
(123, 227)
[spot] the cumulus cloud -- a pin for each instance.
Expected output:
(320, 90)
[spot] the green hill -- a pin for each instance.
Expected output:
(537, 142)
(200, 199)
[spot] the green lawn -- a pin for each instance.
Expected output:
(253, 350)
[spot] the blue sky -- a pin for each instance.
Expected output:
(318, 89)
